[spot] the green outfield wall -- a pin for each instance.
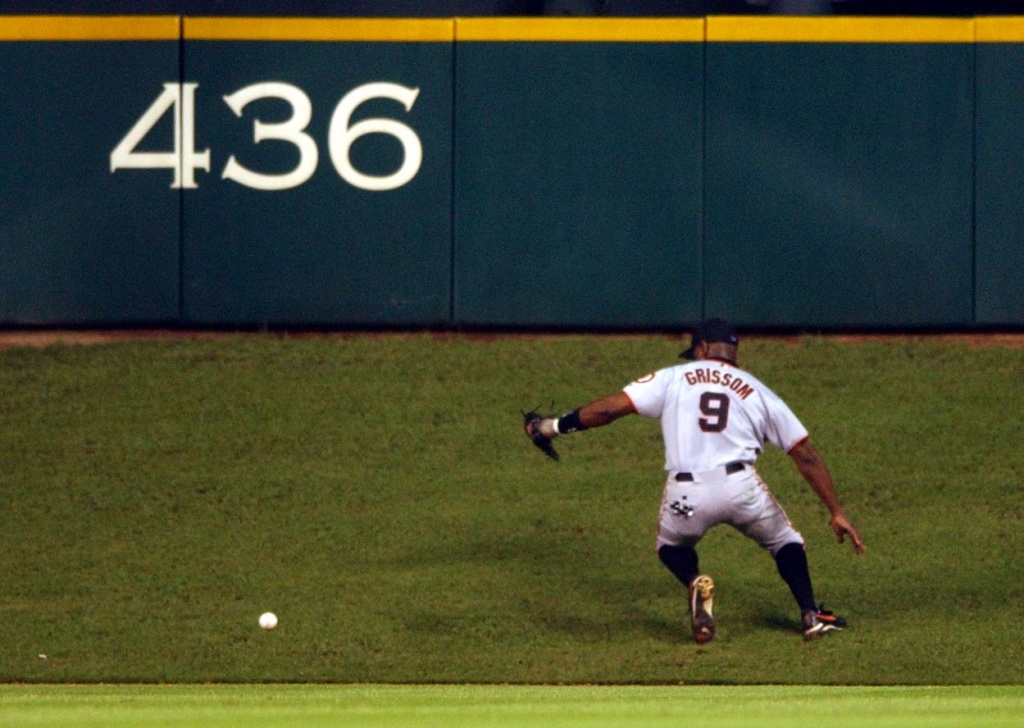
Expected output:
(839, 161)
(316, 223)
(999, 172)
(77, 243)
(508, 172)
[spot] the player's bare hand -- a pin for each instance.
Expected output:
(842, 527)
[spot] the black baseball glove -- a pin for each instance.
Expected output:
(531, 423)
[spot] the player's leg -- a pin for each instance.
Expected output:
(791, 560)
(760, 517)
(681, 524)
(682, 561)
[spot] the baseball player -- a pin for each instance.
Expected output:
(716, 419)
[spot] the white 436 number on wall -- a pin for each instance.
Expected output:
(184, 159)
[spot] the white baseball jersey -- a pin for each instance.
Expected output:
(713, 413)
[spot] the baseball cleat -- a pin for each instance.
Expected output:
(818, 622)
(702, 591)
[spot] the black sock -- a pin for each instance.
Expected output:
(792, 562)
(681, 561)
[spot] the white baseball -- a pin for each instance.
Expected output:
(268, 620)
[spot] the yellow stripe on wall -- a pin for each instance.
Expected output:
(1000, 30)
(720, 29)
(321, 29)
(624, 30)
(82, 27)
(842, 29)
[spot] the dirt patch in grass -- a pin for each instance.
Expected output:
(83, 337)
(979, 340)
(9, 339)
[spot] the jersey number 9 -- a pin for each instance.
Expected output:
(715, 408)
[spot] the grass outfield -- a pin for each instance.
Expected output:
(374, 706)
(378, 494)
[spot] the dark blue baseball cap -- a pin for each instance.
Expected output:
(712, 330)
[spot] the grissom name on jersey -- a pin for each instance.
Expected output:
(718, 377)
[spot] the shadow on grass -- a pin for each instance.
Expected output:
(778, 623)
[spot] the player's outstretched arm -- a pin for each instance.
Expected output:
(598, 413)
(814, 470)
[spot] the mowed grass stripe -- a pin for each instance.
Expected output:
(478, 706)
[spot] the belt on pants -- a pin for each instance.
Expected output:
(730, 468)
